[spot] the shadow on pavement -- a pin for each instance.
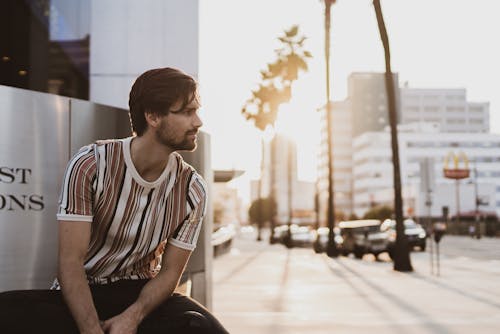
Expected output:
(373, 305)
(430, 324)
(237, 269)
(455, 290)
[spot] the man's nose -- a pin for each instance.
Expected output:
(197, 122)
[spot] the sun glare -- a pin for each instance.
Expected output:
(301, 123)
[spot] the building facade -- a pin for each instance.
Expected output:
(373, 178)
(92, 49)
(362, 153)
(279, 179)
(448, 109)
(368, 99)
(342, 162)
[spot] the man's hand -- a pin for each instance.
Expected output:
(123, 323)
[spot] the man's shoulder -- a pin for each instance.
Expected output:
(186, 171)
(108, 142)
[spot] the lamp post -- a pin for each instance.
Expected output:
(457, 174)
(476, 202)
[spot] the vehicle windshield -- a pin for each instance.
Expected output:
(410, 224)
(362, 230)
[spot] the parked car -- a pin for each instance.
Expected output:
(414, 232)
(321, 239)
(301, 236)
(362, 237)
(359, 237)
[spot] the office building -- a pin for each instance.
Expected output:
(373, 177)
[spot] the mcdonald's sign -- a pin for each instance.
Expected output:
(460, 168)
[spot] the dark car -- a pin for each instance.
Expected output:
(414, 232)
(358, 237)
(321, 239)
(362, 237)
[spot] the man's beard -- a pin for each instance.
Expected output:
(164, 137)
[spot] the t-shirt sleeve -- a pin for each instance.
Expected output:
(77, 193)
(186, 235)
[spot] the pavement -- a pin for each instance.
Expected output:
(269, 289)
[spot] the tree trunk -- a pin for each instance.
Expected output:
(272, 189)
(290, 150)
(331, 249)
(260, 222)
(401, 252)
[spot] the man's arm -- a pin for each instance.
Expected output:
(74, 239)
(153, 293)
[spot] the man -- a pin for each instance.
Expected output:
(130, 213)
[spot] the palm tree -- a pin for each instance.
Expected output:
(401, 252)
(274, 90)
(331, 249)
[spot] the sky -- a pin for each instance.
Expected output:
(434, 44)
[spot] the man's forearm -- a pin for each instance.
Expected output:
(76, 293)
(156, 291)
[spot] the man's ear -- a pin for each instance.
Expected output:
(153, 119)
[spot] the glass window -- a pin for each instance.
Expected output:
(45, 46)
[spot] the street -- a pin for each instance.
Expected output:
(261, 288)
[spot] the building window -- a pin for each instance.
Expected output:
(455, 109)
(475, 109)
(431, 109)
(46, 46)
(456, 121)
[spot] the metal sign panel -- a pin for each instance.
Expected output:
(200, 263)
(40, 132)
(33, 155)
(90, 121)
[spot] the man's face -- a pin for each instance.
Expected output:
(178, 129)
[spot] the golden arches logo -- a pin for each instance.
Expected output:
(457, 171)
(456, 160)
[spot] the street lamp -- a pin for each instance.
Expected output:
(477, 202)
(457, 173)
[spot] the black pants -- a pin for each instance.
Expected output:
(44, 311)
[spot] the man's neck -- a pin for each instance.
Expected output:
(149, 157)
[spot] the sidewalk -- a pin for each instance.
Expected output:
(268, 289)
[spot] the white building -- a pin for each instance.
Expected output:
(364, 114)
(279, 179)
(373, 178)
(129, 37)
(342, 161)
(446, 108)
(368, 99)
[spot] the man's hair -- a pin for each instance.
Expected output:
(155, 91)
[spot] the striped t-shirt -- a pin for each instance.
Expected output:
(131, 219)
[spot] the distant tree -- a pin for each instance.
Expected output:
(262, 210)
(353, 216)
(401, 252)
(218, 212)
(381, 212)
(340, 215)
(274, 90)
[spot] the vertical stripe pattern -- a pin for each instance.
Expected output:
(132, 219)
